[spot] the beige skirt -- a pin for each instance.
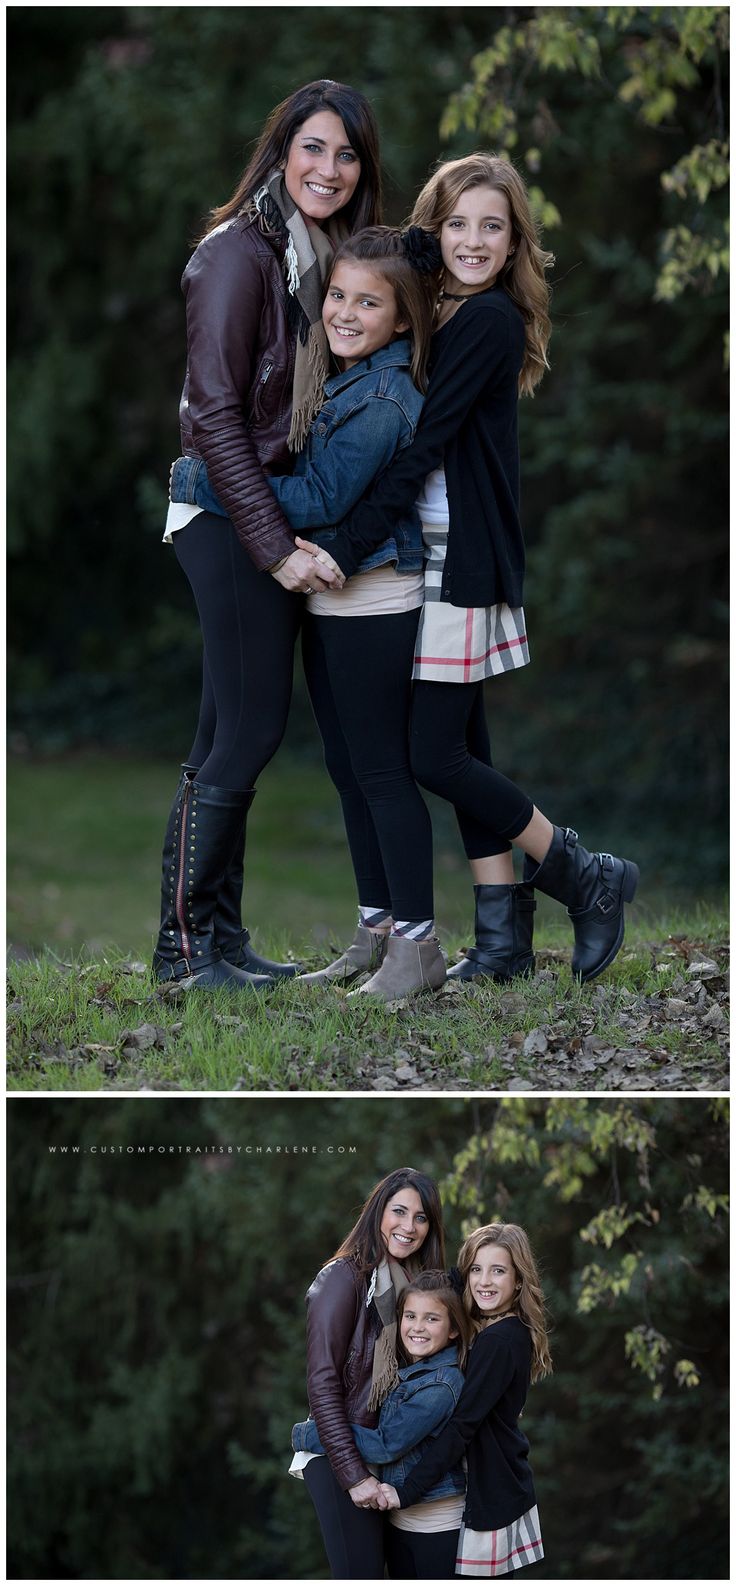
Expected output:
(491, 1553)
(463, 644)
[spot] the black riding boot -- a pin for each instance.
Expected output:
(199, 840)
(504, 928)
(231, 935)
(594, 887)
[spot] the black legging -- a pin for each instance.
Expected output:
(353, 1537)
(358, 671)
(249, 627)
(444, 758)
(421, 1555)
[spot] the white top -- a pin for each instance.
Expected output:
(379, 592)
(437, 1514)
(431, 502)
(179, 513)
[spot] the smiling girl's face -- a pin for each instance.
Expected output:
(404, 1224)
(425, 1326)
(492, 1280)
(476, 240)
(322, 169)
(359, 313)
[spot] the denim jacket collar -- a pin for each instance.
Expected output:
(397, 355)
(443, 1357)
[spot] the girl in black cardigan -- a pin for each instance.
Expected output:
(503, 1296)
(489, 347)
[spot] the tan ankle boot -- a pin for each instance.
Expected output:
(364, 955)
(407, 967)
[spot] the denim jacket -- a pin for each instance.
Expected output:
(414, 1412)
(369, 414)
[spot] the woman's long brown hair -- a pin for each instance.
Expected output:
(364, 1243)
(272, 148)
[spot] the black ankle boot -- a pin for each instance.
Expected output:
(594, 887)
(199, 839)
(504, 928)
(231, 936)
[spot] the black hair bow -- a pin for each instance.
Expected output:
(422, 250)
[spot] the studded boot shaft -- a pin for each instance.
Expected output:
(200, 837)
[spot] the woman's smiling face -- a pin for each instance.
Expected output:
(322, 171)
(404, 1224)
(492, 1280)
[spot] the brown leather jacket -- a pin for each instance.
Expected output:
(235, 407)
(341, 1337)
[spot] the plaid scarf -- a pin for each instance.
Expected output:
(309, 252)
(388, 1281)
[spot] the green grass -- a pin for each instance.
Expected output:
(83, 858)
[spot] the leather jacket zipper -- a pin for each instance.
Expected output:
(180, 883)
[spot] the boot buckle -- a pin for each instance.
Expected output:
(605, 902)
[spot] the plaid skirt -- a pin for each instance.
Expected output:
(463, 644)
(489, 1553)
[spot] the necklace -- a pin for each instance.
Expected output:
(458, 297)
(489, 1321)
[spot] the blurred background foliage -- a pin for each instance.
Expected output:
(156, 1313)
(126, 124)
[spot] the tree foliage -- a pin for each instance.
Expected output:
(156, 1321)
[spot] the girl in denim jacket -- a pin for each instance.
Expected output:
(359, 640)
(435, 1333)
(503, 1297)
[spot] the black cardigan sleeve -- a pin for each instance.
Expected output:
(474, 354)
(491, 1369)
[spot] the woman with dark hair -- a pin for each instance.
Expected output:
(351, 1358)
(257, 359)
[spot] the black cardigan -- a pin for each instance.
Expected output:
(500, 1484)
(469, 421)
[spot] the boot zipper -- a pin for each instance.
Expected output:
(180, 883)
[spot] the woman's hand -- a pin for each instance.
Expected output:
(368, 1494)
(301, 573)
(321, 555)
(390, 1496)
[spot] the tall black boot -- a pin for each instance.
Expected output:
(200, 835)
(594, 887)
(504, 928)
(231, 935)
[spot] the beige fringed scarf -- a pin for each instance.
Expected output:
(309, 253)
(388, 1281)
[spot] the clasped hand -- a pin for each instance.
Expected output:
(309, 569)
(374, 1494)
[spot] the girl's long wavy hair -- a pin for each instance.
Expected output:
(272, 148)
(439, 1285)
(382, 249)
(364, 1244)
(529, 1300)
(523, 275)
